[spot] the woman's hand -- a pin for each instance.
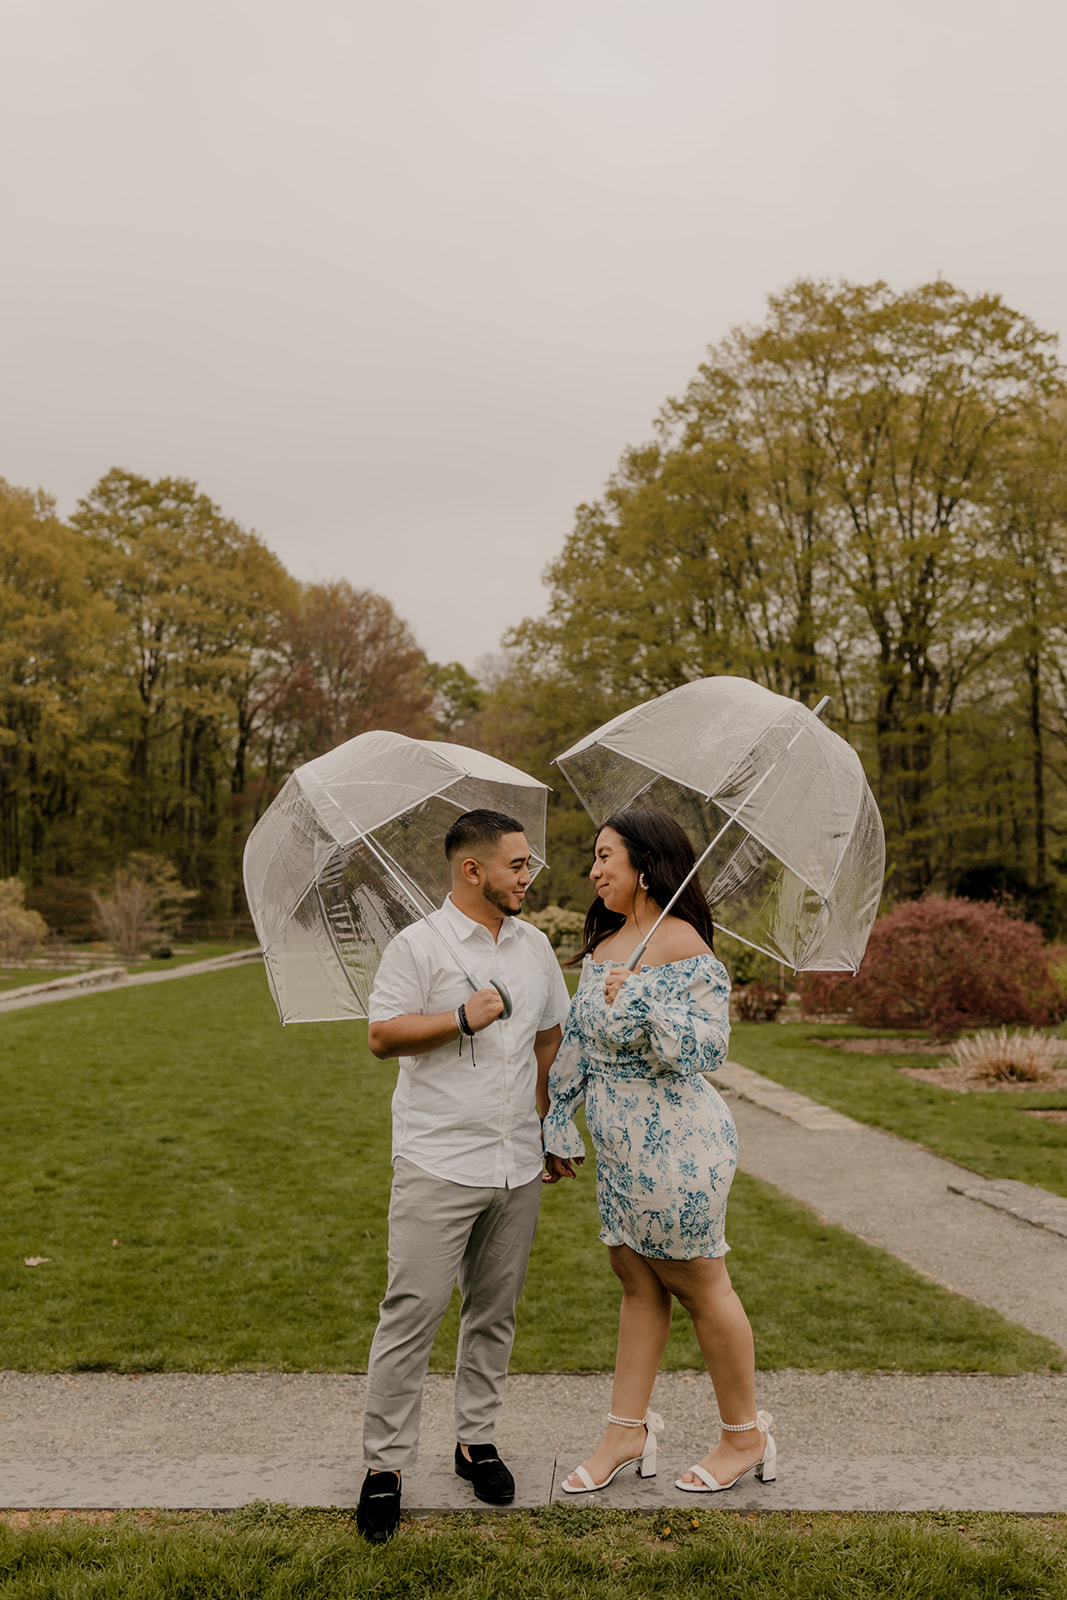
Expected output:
(614, 982)
(557, 1167)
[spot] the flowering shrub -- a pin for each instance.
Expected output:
(944, 964)
(20, 930)
(560, 926)
(758, 1002)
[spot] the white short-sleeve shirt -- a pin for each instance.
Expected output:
(462, 1113)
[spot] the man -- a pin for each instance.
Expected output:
(466, 1154)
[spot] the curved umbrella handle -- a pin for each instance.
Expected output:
(505, 996)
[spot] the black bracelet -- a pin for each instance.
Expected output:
(464, 1025)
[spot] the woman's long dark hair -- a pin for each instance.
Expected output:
(660, 848)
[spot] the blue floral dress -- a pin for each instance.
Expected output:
(666, 1145)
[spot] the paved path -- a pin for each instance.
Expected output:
(847, 1440)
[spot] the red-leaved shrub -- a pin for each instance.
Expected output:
(944, 964)
(758, 1002)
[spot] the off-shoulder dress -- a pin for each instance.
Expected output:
(666, 1144)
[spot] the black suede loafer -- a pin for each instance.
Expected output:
(489, 1476)
(378, 1512)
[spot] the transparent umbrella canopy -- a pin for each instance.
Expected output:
(351, 851)
(797, 868)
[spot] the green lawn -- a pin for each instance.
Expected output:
(561, 1553)
(986, 1131)
(242, 1171)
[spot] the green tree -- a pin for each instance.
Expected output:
(820, 511)
(202, 604)
(458, 698)
(61, 774)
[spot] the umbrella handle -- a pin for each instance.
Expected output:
(503, 993)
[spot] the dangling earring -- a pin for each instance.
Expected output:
(642, 882)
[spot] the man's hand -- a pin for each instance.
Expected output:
(557, 1167)
(483, 1008)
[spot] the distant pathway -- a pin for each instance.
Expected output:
(106, 980)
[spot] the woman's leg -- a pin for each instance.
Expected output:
(724, 1334)
(644, 1323)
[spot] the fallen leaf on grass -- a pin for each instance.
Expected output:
(36, 1261)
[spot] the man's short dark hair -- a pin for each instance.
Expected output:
(476, 828)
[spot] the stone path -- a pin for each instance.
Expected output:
(894, 1442)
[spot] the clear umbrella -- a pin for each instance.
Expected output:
(352, 850)
(778, 804)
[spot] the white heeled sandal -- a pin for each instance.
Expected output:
(645, 1463)
(764, 1468)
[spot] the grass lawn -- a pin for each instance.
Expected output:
(212, 1193)
(561, 1553)
(985, 1131)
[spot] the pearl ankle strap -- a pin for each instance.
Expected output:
(651, 1420)
(738, 1427)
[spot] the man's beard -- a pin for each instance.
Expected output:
(499, 901)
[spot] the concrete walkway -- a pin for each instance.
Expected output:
(846, 1441)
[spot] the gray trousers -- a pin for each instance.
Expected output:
(440, 1232)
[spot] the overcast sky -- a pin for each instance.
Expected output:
(396, 281)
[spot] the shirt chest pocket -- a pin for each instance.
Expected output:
(529, 996)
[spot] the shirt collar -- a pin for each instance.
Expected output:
(465, 927)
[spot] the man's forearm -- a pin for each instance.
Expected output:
(413, 1035)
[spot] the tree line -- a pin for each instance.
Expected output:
(864, 496)
(160, 675)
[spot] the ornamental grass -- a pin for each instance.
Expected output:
(1007, 1057)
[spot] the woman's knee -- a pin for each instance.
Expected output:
(635, 1274)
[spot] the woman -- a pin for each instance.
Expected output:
(634, 1047)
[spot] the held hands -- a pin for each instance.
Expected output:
(615, 980)
(557, 1167)
(483, 1008)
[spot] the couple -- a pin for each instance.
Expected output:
(467, 1150)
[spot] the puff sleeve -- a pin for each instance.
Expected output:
(687, 1021)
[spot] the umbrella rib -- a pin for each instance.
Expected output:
(364, 833)
(691, 874)
(328, 925)
(388, 867)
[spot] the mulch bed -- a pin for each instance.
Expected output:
(948, 1075)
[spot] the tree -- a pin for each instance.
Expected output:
(60, 769)
(458, 697)
(823, 509)
(202, 603)
(350, 665)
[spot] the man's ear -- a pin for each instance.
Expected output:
(470, 869)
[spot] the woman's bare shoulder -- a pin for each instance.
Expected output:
(677, 941)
